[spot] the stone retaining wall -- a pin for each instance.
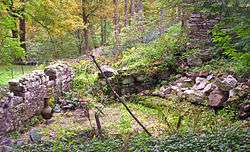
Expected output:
(127, 83)
(25, 97)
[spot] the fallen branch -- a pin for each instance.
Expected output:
(118, 97)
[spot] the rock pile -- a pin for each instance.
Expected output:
(208, 90)
(26, 95)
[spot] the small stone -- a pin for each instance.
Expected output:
(210, 77)
(165, 90)
(203, 74)
(35, 136)
(199, 79)
(108, 71)
(189, 92)
(174, 88)
(128, 80)
(188, 80)
(141, 78)
(201, 85)
(227, 83)
(179, 84)
(208, 88)
(245, 107)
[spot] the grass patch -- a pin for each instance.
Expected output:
(10, 72)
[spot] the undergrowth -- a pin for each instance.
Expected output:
(227, 139)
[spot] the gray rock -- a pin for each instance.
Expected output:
(35, 136)
(174, 88)
(227, 83)
(216, 98)
(199, 80)
(208, 88)
(200, 85)
(189, 92)
(108, 71)
(194, 96)
(5, 148)
(210, 77)
(141, 78)
(128, 80)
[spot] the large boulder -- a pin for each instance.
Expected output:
(217, 98)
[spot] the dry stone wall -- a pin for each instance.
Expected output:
(26, 95)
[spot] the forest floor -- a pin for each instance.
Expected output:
(72, 131)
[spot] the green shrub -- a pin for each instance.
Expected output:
(159, 51)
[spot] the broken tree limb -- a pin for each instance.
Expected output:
(118, 97)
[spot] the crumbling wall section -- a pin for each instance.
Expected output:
(25, 97)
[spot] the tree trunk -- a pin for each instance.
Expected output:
(116, 25)
(103, 31)
(85, 44)
(22, 32)
(162, 16)
(140, 15)
(126, 13)
(132, 8)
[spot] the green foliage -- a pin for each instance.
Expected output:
(156, 52)
(13, 71)
(232, 35)
(232, 139)
(125, 126)
(9, 46)
(85, 81)
(216, 66)
(227, 139)
(193, 118)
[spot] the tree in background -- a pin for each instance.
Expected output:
(116, 24)
(10, 48)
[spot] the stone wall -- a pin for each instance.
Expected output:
(25, 97)
(127, 83)
(200, 42)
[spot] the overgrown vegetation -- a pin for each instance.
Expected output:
(233, 139)
(159, 51)
(132, 36)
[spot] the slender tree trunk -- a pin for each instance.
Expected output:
(78, 35)
(116, 24)
(103, 31)
(140, 15)
(132, 9)
(162, 16)
(22, 32)
(126, 13)
(85, 44)
(22, 27)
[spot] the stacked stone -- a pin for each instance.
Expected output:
(126, 83)
(199, 26)
(60, 76)
(26, 95)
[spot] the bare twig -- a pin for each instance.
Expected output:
(118, 97)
